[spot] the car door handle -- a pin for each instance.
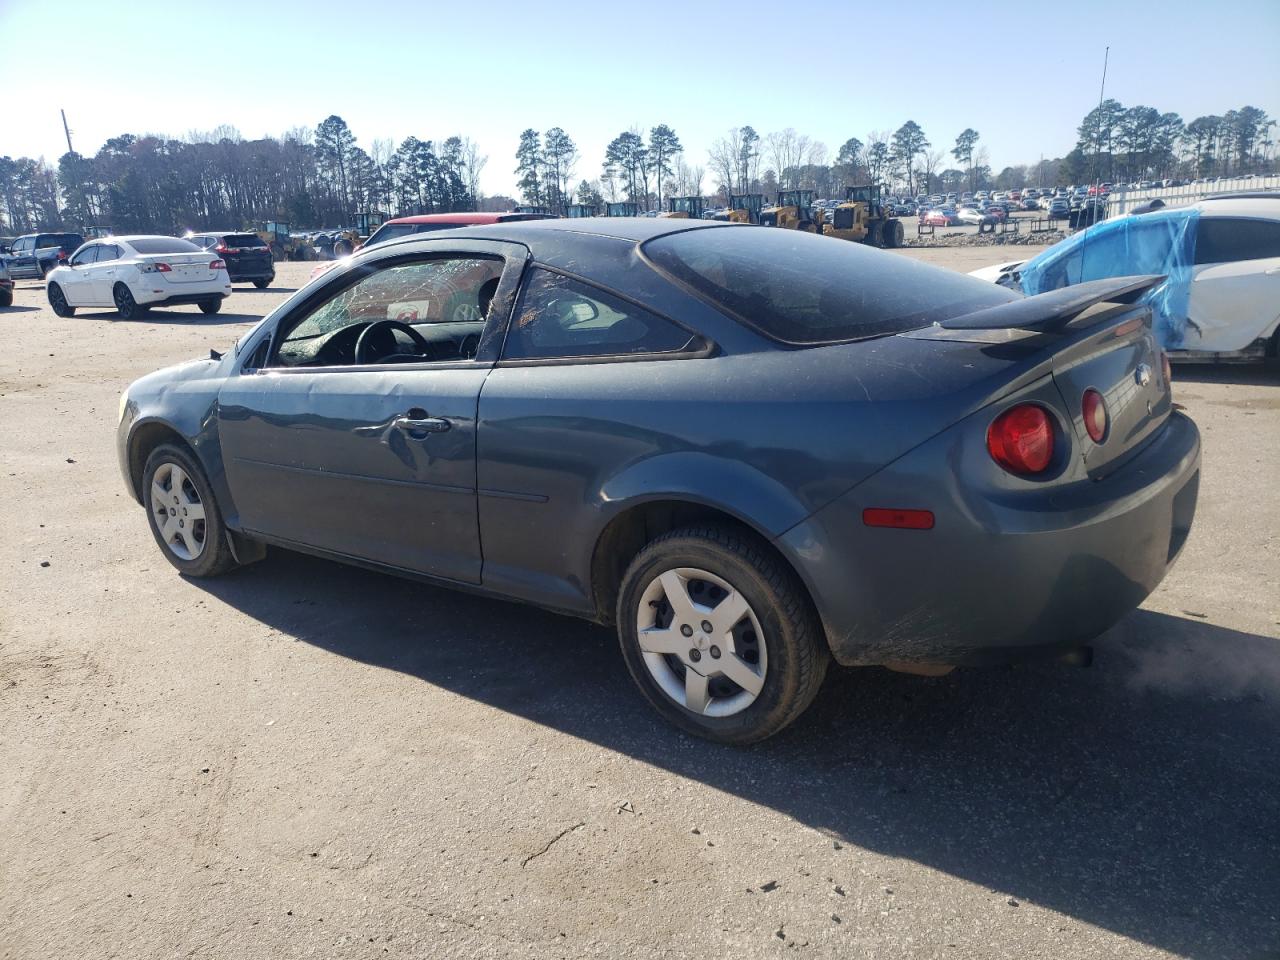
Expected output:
(421, 424)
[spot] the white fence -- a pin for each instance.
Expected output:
(1120, 203)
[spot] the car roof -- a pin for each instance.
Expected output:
(462, 219)
(1241, 205)
(638, 229)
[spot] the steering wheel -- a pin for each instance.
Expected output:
(365, 343)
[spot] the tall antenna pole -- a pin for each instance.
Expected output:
(66, 130)
(1097, 142)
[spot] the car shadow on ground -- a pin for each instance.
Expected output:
(250, 288)
(17, 309)
(1141, 795)
(192, 318)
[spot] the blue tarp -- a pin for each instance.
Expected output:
(1163, 242)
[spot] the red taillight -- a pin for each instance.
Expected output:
(220, 248)
(1021, 439)
(62, 254)
(163, 268)
(1094, 410)
(218, 265)
(901, 519)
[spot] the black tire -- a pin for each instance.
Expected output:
(892, 234)
(263, 283)
(6, 298)
(307, 253)
(126, 306)
(43, 269)
(216, 556)
(806, 226)
(795, 646)
(211, 306)
(277, 252)
(875, 235)
(58, 301)
(341, 248)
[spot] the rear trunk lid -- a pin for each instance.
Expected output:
(183, 267)
(1089, 336)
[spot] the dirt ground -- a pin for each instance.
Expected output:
(307, 760)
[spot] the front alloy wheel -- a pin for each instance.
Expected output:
(178, 511)
(183, 515)
(58, 301)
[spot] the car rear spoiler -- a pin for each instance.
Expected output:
(1055, 309)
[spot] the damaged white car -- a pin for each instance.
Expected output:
(1221, 258)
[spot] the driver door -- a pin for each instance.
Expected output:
(372, 455)
(77, 285)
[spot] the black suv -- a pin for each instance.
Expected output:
(36, 254)
(247, 255)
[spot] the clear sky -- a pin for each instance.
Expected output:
(1022, 74)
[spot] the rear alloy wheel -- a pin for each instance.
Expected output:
(126, 306)
(184, 518)
(719, 635)
(58, 300)
(210, 306)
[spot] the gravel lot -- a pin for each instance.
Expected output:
(307, 760)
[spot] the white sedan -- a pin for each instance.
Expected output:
(1229, 270)
(134, 274)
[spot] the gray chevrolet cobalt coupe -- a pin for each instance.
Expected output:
(752, 450)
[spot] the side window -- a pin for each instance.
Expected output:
(108, 252)
(1230, 239)
(559, 317)
(86, 256)
(443, 303)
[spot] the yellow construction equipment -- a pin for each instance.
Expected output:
(793, 211)
(683, 208)
(743, 208)
(348, 240)
(863, 218)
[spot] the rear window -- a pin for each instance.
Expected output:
(163, 245)
(389, 231)
(67, 241)
(243, 240)
(800, 288)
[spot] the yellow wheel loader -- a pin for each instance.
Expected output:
(863, 218)
(683, 208)
(793, 211)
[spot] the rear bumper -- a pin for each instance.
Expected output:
(239, 272)
(998, 576)
(167, 299)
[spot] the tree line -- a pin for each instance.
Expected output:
(320, 176)
(307, 177)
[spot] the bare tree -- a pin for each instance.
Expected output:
(724, 157)
(473, 162)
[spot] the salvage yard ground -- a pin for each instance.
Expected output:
(309, 760)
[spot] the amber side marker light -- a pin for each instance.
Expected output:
(899, 519)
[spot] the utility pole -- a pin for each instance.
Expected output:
(66, 130)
